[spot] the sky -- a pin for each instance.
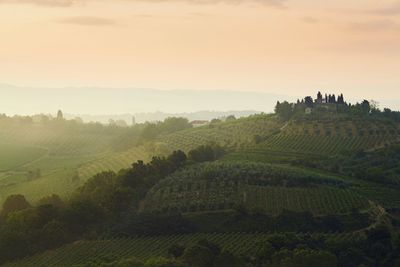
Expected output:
(285, 47)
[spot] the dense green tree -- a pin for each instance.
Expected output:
(176, 250)
(162, 262)
(81, 214)
(14, 203)
(53, 200)
(313, 258)
(100, 189)
(173, 124)
(198, 256)
(206, 153)
(227, 259)
(284, 110)
(231, 118)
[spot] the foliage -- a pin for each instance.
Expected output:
(14, 203)
(152, 130)
(206, 153)
(268, 187)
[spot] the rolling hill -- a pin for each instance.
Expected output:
(273, 172)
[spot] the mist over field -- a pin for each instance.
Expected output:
(102, 104)
(112, 101)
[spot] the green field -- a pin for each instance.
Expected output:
(56, 152)
(15, 156)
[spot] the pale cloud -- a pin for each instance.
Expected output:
(391, 10)
(375, 25)
(68, 3)
(50, 3)
(310, 20)
(88, 21)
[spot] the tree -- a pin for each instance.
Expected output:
(176, 250)
(227, 259)
(198, 256)
(162, 262)
(177, 158)
(173, 124)
(100, 188)
(80, 214)
(52, 200)
(309, 101)
(231, 118)
(310, 258)
(374, 104)
(60, 115)
(365, 107)
(206, 153)
(14, 203)
(284, 110)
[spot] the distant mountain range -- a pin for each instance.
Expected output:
(160, 116)
(144, 104)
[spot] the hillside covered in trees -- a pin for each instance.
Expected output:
(315, 184)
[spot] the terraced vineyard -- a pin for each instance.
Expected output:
(333, 137)
(233, 134)
(146, 247)
(61, 182)
(230, 134)
(386, 196)
(319, 200)
(55, 153)
(220, 186)
(113, 161)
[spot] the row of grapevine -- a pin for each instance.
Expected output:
(319, 201)
(270, 187)
(271, 199)
(342, 128)
(113, 161)
(230, 134)
(146, 247)
(323, 145)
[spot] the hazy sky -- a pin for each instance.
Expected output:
(281, 46)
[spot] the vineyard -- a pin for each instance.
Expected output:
(333, 136)
(113, 161)
(145, 247)
(61, 182)
(12, 156)
(234, 134)
(271, 188)
(38, 159)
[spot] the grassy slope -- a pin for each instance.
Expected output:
(14, 156)
(56, 152)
